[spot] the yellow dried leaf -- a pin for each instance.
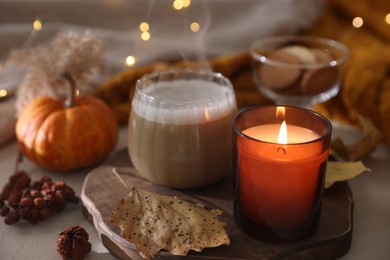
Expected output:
(343, 171)
(154, 222)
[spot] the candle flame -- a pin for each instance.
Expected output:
(280, 111)
(282, 139)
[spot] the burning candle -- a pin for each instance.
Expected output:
(281, 155)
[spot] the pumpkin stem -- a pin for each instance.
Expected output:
(73, 90)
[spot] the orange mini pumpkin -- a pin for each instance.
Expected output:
(63, 138)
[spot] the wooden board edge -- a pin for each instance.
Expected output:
(103, 230)
(335, 247)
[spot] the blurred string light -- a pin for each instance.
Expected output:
(357, 22)
(186, 3)
(37, 24)
(144, 28)
(180, 4)
(3, 92)
(177, 4)
(145, 36)
(195, 27)
(130, 61)
(387, 18)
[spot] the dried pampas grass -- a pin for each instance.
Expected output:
(79, 54)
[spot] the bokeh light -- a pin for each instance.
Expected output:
(3, 92)
(145, 36)
(357, 22)
(37, 25)
(194, 26)
(130, 60)
(186, 3)
(144, 27)
(387, 18)
(178, 4)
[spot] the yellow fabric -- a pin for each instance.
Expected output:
(365, 90)
(366, 87)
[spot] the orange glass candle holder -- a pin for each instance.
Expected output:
(280, 162)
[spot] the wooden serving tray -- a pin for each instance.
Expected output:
(102, 190)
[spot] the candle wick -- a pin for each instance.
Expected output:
(283, 149)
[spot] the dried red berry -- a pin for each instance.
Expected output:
(58, 206)
(72, 243)
(26, 202)
(39, 202)
(4, 211)
(59, 185)
(49, 198)
(45, 192)
(37, 185)
(11, 218)
(14, 197)
(44, 212)
(25, 213)
(23, 180)
(68, 192)
(46, 178)
(21, 199)
(46, 186)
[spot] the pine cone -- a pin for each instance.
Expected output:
(72, 243)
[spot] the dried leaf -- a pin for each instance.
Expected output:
(343, 171)
(154, 222)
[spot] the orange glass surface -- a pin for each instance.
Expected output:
(280, 186)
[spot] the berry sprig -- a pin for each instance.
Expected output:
(33, 201)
